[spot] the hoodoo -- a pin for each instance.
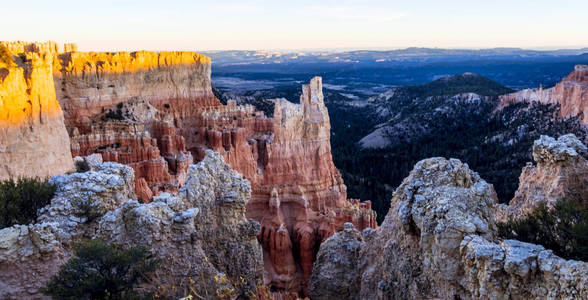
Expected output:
(156, 113)
(32, 132)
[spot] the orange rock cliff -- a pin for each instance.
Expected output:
(32, 132)
(156, 113)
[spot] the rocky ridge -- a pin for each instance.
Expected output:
(192, 232)
(439, 241)
(571, 94)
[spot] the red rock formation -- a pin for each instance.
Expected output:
(150, 146)
(298, 195)
(571, 94)
(32, 132)
(151, 111)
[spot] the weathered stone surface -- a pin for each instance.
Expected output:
(515, 270)
(32, 132)
(87, 82)
(561, 172)
(134, 135)
(193, 232)
(336, 274)
(30, 254)
(571, 94)
(415, 252)
(438, 241)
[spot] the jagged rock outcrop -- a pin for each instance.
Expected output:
(439, 241)
(335, 274)
(299, 196)
(30, 254)
(571, 94)
(561, 173)
(133, 134)
(192, 232)
(32, 132)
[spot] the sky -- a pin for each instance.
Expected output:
(277, 25)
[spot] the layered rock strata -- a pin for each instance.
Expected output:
(32, 133)
(192, 232)
(133, 108)
(157, 113)
(439, 241)
(571, 94)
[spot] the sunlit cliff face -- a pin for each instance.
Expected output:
(122, 62)
(27, 94)
(32, 132)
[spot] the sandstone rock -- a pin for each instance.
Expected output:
(88, 82)
(561, 172)
(31, 254)
(515, 270)
(156, 113)
(32, 132)
(193, 232)
(141, 140)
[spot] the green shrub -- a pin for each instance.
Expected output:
(21, 200)
(82, 166)
(88, 208)
(563, 229)
(101, 271)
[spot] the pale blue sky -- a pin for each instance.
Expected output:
(249, 24)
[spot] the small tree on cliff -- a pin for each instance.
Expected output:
(100, 271)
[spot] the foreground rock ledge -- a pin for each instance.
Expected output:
(439, 241)
(192, 232)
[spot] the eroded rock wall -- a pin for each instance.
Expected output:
(32, 131)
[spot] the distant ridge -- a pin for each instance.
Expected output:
(462, 83)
